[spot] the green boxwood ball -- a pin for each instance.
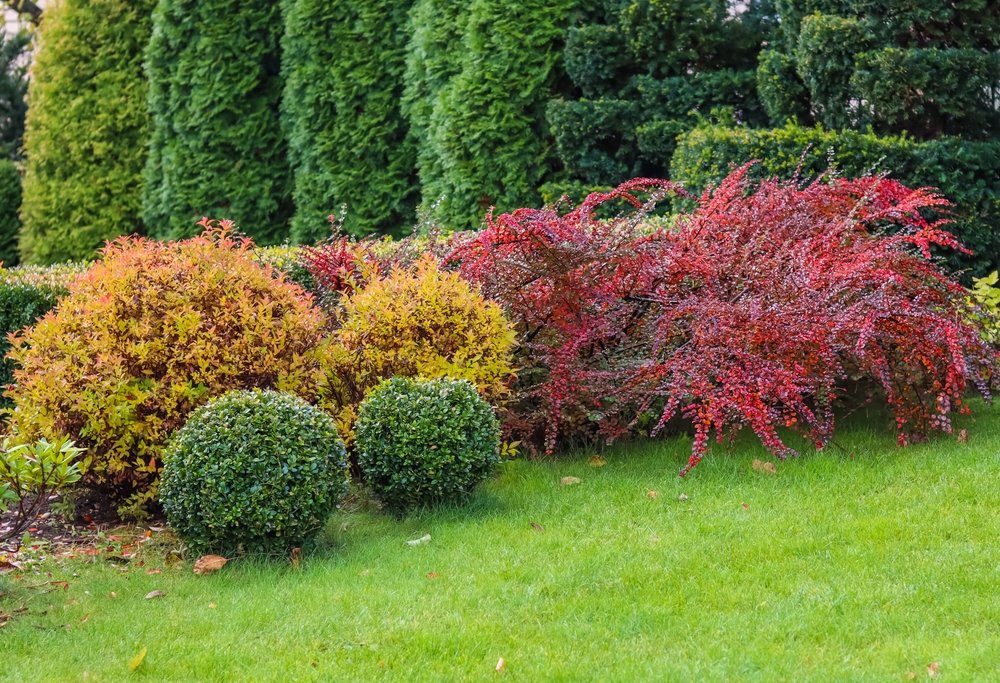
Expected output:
(421, 442)
(253, 471)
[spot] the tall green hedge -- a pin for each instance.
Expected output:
(10, 222)
(485, 137)
(14, 51)
(645, 71)
(216, 148)
(343, 62)
(967, 172)
(87, 128)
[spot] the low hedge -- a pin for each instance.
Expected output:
(966, 172)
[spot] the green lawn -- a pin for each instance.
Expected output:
(835, 569)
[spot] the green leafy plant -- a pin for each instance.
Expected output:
(30, 472)
(253, 471)
(421, 442)
(87, 130)
(986, 295)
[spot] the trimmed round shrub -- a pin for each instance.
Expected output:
(147, 335)
(253, 471)
(425, 441)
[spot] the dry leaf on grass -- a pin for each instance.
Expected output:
(653, 494)
(933, 669)
(597, 461)
(761, 466)
(963, 436)
(155, 594)
(501, 667)
(569, 481)
(137, 660)
(207, 564)
(155, 571)
(682, 497)
(418, 541)
(296, 552)
(538, 527)
(910, 675)
(432, 575)
(212, 605)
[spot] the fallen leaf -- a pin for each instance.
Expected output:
(137, 660)
(155, 571)
(538, 527)
(597, 461)
(381, 663)
(113, 594)
(431, 575)
(364, 572)
(500, 666)
(683, 497)
(653, 494)
(910, 675)
(296, 552)
(569, 481)
(932, 669)
(418, 541)
(745, 506)
(761, 466)
(157, 528)
(84, 620)
(654, 538)
(207, 564)
(212, 605)
(155, 594)
(963, 436)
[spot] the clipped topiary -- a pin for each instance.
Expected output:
(421, 442)
(253, 470)
(149, 334)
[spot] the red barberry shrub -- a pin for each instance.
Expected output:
(754, 309)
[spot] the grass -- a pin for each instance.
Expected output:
(838, 568)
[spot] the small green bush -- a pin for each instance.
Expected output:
(425, 441)
(253, 470)
(26, 294)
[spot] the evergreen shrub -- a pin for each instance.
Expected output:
(253, 471)
(421, 442)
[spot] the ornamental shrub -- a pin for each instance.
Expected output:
(216, 146)
(421, 442)
(985, 300)
(348, 141)
(148, 334)
(253, 471)
(964, 171)
(415, 323)
(26, 294)
(751, 310)
(87, 129)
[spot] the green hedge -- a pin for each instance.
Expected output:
(14, 61)
(87, 129)
(216, 148)
(26, 294)
(966, 172)
(343, 63)
(10, 221)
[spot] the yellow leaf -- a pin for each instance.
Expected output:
(134, 664)
(597, 461)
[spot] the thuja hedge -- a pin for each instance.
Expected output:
(966, 172)
(216, 148)
(348, 141)
(87, 127)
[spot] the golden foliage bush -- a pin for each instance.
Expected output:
(419, 322)
(147, 335)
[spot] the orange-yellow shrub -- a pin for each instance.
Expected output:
(147, 335)
(415, 323)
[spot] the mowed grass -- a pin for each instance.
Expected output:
(834, 569)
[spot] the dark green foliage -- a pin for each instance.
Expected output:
(13, 88)
(26, 294)
(343, 64)
(10, 221)
(966, 172)
(478, 103)
(646, 71)
(424, 441)
(929, 68)
(87, 129)
(253, 470)
(216, 148)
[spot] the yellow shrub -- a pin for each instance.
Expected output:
(147, 335)
(986, 295)
(420, 323)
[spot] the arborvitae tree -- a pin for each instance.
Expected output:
(13, 88)
(343, 62)
(87, 128)
(928, 68)
(484, 134)
(214, 94)
(645, 71)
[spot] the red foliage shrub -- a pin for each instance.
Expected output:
(752, 310)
